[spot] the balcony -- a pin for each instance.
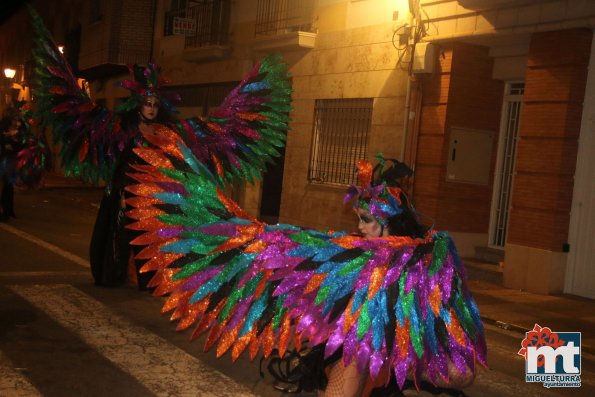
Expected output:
(202, 29)
(284, 25)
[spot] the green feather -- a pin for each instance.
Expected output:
(355, 264)
(307, 239)
(364, 321)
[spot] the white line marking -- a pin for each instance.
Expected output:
(161, 367)
(12, 382)
(44, 274)
(55, 249)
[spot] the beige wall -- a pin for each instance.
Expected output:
(358, 62)
(353, 57)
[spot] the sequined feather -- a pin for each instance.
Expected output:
(395, 301)
(236, 142)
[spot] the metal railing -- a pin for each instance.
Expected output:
(282, 16)
(204, 23)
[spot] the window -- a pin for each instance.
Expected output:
(95, 14)
(205, 96)
(341, 129)
(177, 5)
(202, 22)
(283, 16)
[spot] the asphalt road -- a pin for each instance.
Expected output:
(62, 336)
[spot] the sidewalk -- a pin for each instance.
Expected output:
(57, 181)
(519, 311)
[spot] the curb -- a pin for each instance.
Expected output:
(523, 330)
(62, 186)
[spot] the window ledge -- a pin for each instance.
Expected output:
(207, 53)
(286, 41)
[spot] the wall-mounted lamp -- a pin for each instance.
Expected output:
(61, 49)
(9, 73)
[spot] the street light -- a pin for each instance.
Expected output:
(9, 73)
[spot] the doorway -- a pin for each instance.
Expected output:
(272, 185)
(509, 128)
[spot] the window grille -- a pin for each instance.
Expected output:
(341, 129)
(203, 22)
(283, 16)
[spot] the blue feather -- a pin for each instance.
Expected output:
(254, 314)
(210, 286)
(181, 247)
(171, 198)
(379, 315)
(253, 87)
(430, 334)
(358, 298)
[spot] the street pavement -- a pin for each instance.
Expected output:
(107, 321)
(519, 311)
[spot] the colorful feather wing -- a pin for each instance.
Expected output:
(33, 160)
(89, 135)
(393, 303)
(248, 128)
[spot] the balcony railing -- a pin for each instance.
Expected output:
(275, 17)
(205, 23)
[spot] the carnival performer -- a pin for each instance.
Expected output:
(235, 142)
(24, 156)
(110, 250)
(9, 147)
(383, 309)
(376, 219)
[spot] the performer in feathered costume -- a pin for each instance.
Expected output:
(34, 159)
(235, 142)
(390, 306)
(24, 156)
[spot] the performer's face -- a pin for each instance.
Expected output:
(368, 225)
(150, 108)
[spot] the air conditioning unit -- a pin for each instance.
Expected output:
(424, 58)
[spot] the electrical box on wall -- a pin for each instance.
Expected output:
(469, 156)
(423, 58)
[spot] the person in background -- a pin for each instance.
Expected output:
(9, 147)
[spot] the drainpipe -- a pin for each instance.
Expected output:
(153, 32)
(411, 124)
(407, 117)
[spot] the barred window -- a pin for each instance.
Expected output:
(202, 22)
(283, 16)
(341, 129)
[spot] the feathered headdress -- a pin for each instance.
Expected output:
(146, 81)
(381, 197)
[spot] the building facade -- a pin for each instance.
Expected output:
(490, 101)
(518, 74)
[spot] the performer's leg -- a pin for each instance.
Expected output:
(3, 198)
(10, 200)
(344, 381)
